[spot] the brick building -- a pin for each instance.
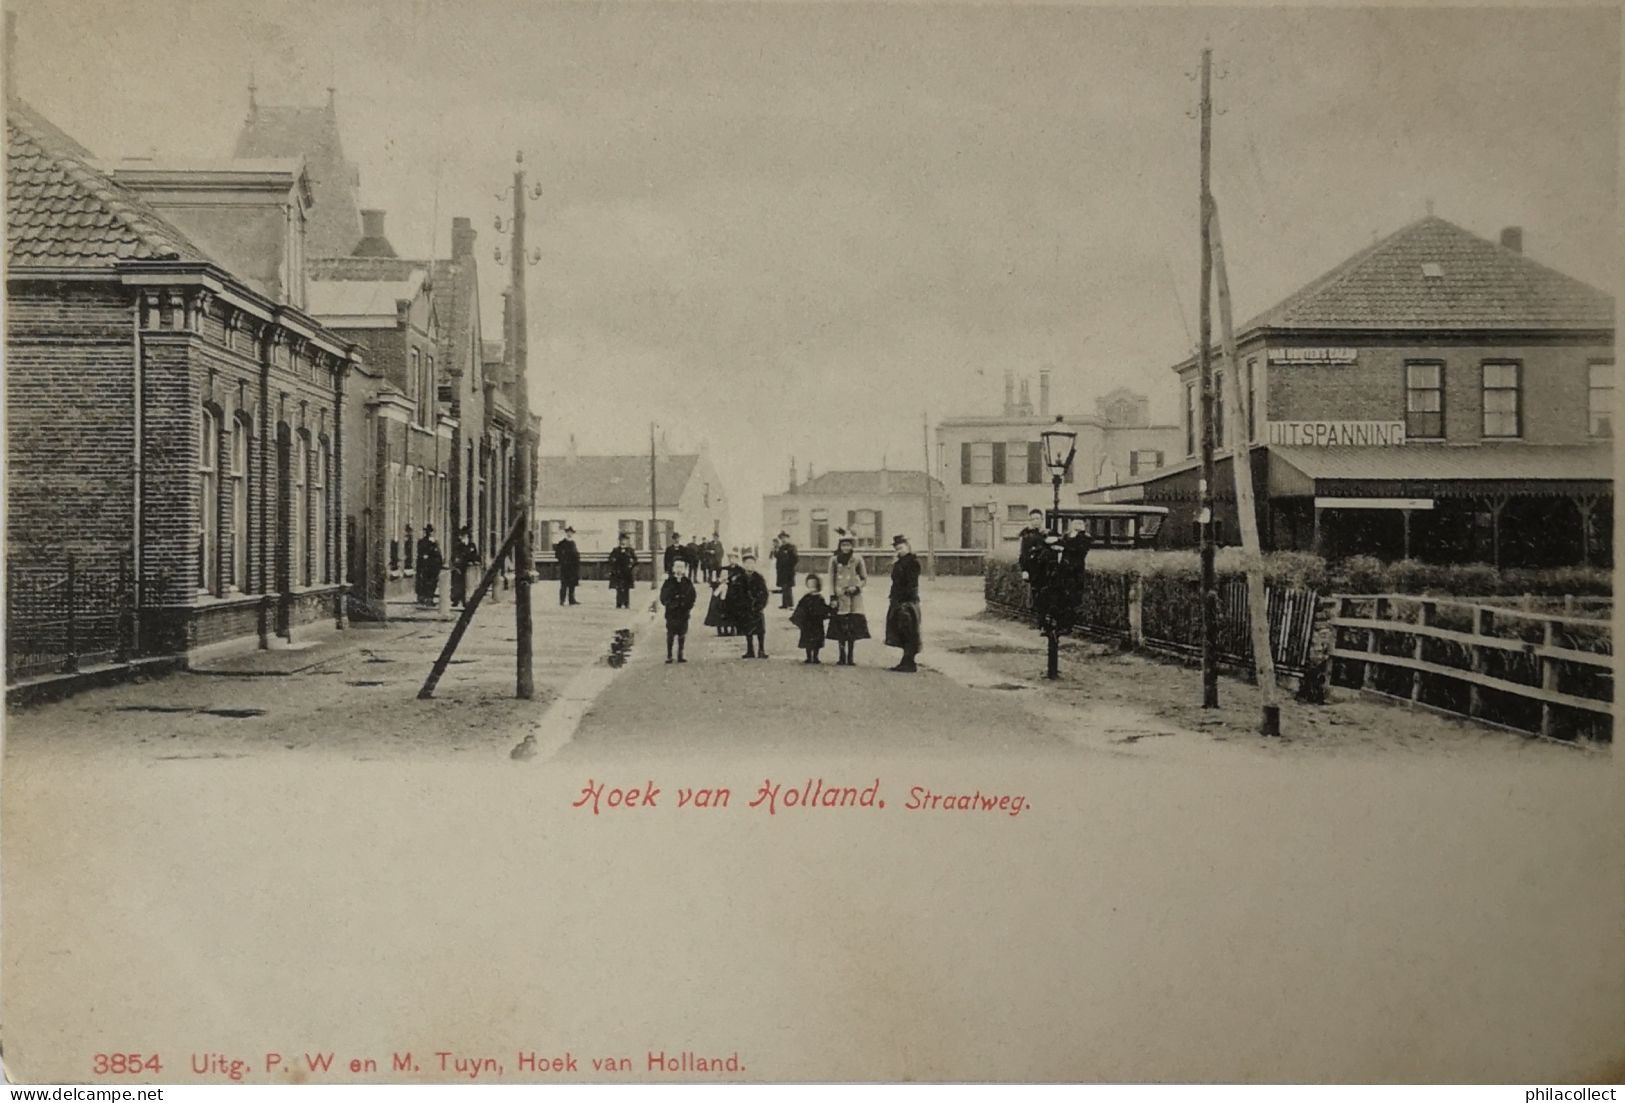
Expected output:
(171, 423)
(872, 505)
(401, 480)
(992, 467)
(1438, 396)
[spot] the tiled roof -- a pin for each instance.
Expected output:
(1433, 462)
(62, 212)
(609, 481)
(328, 298)
(375, 269)
(867, 483)
(1435, 275)
(311, 133)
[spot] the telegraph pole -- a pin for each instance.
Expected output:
(1210, 595)
(654, 574)
(930, 508)
(520, 490)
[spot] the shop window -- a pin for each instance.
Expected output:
(208, 468)
(1503, 399)
(1600, 399)
(632, 528)
(1424, 400)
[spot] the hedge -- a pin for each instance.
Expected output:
(1359, 574)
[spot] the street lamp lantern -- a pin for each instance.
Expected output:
(1060, 445)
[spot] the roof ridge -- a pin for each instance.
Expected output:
(146, 224)
(1339, 272)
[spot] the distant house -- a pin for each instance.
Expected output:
(604, 496)
(872, 505)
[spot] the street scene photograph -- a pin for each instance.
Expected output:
(782, 542)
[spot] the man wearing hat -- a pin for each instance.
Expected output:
(429, 563)
(785, 558)
(623, 565)
(569, 558)
(674, 552)
(903, 613)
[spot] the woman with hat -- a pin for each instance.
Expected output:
(903, 610)
(847, 577)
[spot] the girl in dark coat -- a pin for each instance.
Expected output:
(811, 613)
(747, 597)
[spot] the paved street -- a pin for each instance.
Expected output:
(1159, 895)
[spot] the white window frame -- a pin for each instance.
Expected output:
(1600, 418)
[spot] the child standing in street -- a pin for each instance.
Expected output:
(811, 613)
(677, 595)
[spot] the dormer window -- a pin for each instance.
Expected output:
(1432, 270)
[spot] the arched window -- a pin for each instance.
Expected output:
(323, 574)
(299, 550)
(208, 552)
(239, 505)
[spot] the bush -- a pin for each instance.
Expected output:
(1360, 574)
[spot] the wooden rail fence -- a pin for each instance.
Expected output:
(1541, 673)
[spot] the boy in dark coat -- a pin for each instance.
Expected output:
(677, 595)
(623, 563)
(747, 597)
(812, 611)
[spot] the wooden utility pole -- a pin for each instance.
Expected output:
(1241, 467)
(654, 572)
(520, 490)
(1210, 592)
(930, 507)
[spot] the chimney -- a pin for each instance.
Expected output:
(372, 223)
(373, 243)
(792, 474)
(11, 57)
(809, 472)
(1512, 238)
(1026, 401)
(1043, 394)
(885, 477)
(570, 454)
(462, 238)
(1009, 394)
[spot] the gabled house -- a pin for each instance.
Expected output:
(176, 431)
(604, 496)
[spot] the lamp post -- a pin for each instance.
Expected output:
(1060, 446)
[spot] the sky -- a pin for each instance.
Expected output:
(804, 229)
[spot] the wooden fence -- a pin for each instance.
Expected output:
(1537, 672)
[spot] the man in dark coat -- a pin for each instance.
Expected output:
(786, 557)
(465, 557)
(903, 612)
(747, 597)
(713, 560)
(623, 564)
(678, 596)
(1032, 541)
(569, 558)
(429, 564)
(674, 552)
(691, 555)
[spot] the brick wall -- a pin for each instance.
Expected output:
(70, 355)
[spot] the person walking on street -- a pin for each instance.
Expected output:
(623, 565)
(786, 557)
(673, 552)
(465, 559)
(811, 612)
(747, 597)
(903, 612)
(678, 596)
(569, 557)
(429, 563)
(848, 576)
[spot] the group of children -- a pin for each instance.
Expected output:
(739, 599)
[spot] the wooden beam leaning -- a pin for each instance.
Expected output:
(470, 606)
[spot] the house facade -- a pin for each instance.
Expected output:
(992, 467)
(871, 505)
(174, 431)
(1439, 395)
(603, 496)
